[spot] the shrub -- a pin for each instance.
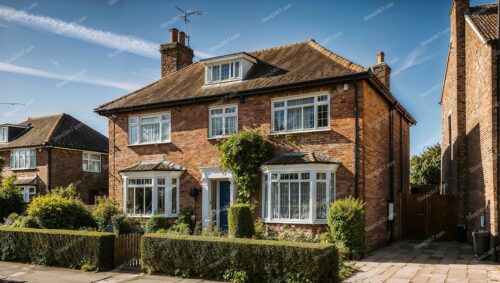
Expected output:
(326, 237)
(261, 229)
(25, 221)
(180, 228)
(11, 218)
(212, 231)
(240, 221)
(68, 192)
(64, 248)
(155, 223)
(186, 216)
(103, 211)
(58, 212)
(11, 198)
(124, 225)
(298, 236)
(346, 223)
(252, 260)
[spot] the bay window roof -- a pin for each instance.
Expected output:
(301, 158)
(153, 165)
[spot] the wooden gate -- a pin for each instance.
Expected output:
(428, 215)
(127, 251)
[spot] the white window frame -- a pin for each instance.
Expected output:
(27, 193)
(312, 169)
(232, 72)
(284, 108)
(27, 159)
(139, 125)
(4, 134)
(223, 116)
(168, 176)
(87, 156)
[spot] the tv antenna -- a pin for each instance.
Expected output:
(12, 103)
(185, 16)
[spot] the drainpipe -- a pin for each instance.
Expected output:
(49, 168)
(400, 176)
(356, 134)
(390, 197)
(495, 255)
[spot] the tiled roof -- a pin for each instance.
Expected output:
(26, 180)
(301, 158)
(153, 165)
(485, 20)
(58, 130)
(278, 66)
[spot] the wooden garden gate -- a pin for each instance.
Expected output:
(127, 250)
(428, 215)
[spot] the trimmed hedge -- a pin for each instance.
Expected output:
(257, 260)
(240, 221)
(64, 248)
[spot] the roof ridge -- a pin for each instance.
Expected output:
(281, 46)
(44, 117)
(52, 131)
(339, 59)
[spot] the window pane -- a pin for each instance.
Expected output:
(322, 98)
(134, 121)
(150, 133)
(150, 120)
(279, 104)
(139, 201)
(279, 120)
(301, 101)
(309, 117)
(133, 135)
(148, 197)
(265, 200)
(161, 181)
(216, 111)
(284, 198)
(321, 200)
(275, 200)
(321, 176)
(332, 188)
(217, 126)
(165, 132)
(305, 198)
(130, 200)
(294, 201)
(322, 115)
(174, 199)
(237, 69)
(294, 119)
(215, 73)
(230, 110)
(224, 74)
(161, 201)
(230, 125)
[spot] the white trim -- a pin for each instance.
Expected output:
(91, 160)
(209, 174)
(26, 192)
(229, 58)
(29, 167)
(139, 124)
(6, 140)
(473, 26)
(315, 104)
(224, 116)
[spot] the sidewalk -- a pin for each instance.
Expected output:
(11, 272)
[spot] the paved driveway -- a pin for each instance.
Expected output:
(408, 261)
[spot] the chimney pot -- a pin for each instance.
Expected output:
(182, 38)
(173, 35)
(381, 57)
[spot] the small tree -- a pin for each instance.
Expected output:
(244, 153)
(425, 169)
(11, 198)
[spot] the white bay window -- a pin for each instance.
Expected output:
(223, 121)
(23, 159)
(149, 129)
(301, 113)
(224, 72)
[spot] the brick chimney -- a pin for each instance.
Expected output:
(382, 71)
(175, 55)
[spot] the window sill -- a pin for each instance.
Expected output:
(150, 215)
(217, 138)
(92, 172)
(22, 169)
(300, 132)
(151, 143)
(298, 222)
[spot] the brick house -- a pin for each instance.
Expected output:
(339, 131)
(470, 116)
(51, 151)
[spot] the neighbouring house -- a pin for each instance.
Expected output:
(339, 129)
(469, 107)
(51, 151)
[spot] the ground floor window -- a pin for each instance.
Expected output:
(297, 196)
(28, 192)
(145, 196)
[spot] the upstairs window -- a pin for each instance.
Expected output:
(3, 134)
(23, 159)
(91, 162)
(224, 72)
(301, 114)
(223, 121)
(149, 129)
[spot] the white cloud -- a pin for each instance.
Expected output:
(108, 39)
(64, 78)
(416, 57)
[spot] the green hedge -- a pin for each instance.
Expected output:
(257, 260)
(240, 221)
(64, 248)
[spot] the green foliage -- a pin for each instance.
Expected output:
(11, 198)
(64, 248)
(261, 229)
(186, 215)
(180, 228)
(326, 237)
(346, 223)
(11, 218)
(155, 223)
(298, 236)
(240, 221)
(68, 192)
(125, 225)
(212, 231)
(235, 276)
(54, 211)
(425, 169)
(244, 153)
(255, 260)
(25, 221)
(86, 267)
(104, 210)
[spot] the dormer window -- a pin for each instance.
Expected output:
(3, 134)
(228, 68)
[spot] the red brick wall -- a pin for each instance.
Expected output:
(40, 170)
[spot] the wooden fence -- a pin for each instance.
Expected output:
(127, 251)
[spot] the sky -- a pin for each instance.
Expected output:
(72, 56)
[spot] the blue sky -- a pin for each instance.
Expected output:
(71, 56)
